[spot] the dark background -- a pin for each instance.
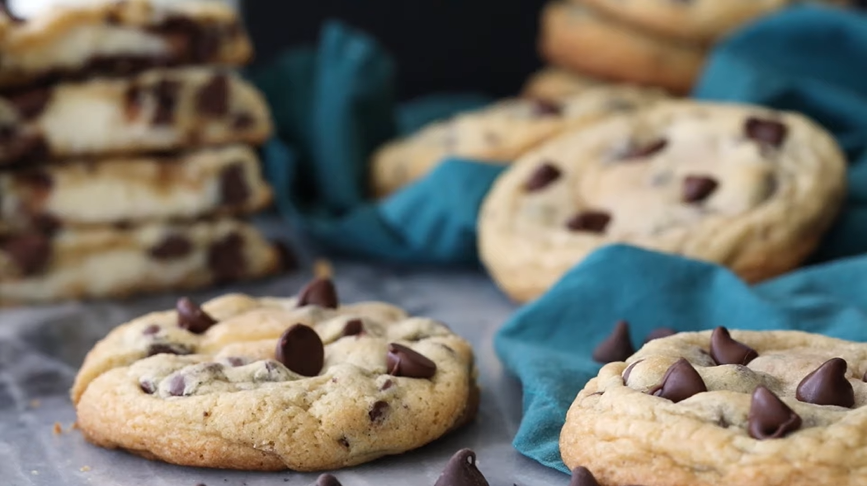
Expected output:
(440, 45)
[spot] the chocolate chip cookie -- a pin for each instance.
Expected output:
(499, 133)
(742, 186)
(122, 261)
(579, 39)
(78, 194)
(775, 408)
(117, 38)
(160, 110)
(304, 383)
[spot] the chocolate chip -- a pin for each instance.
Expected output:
(769, 417)
(344, 442)
(288, 259)
(30, 103)
(301, 350)
(659, 333)
(680, 382)
(243, 121)
(26, 147)
(543, 176)
(646, 150)
(628, 371)
(546, 108)
(461, 470)
(233, 185)
(581, 476)
(177, 386)
(31, 253)
(168, 348)
(172, 247)
(226, 258)
(353, 327)
(827, 385)
(698, 188)
(151, 330)
(327, 479)
(213, 97)
(133, 101)
(616, 347)
(192, 317)
(725, 350)
(403, 361)
(194, 43)
(385, 386)
(147, 386)
(320, 292)
(770, 132)
(235, 361)
(377, 411)
(590, 221)
(166, 93)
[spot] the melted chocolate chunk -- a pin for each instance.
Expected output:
(31, 253)
(226, 259)
(24, 147)
(543, 107)
(243, 122)
(646, 150)
(616, 347)
(680, 382)
(581, 476)
(213, 98)
(194, 43)
(698, 188)
(589, 221)
(301, 350)
(461, 470)
(542, 177)
(233, 185)
(177, 385)
(168, 348)
(827, 385)
(35, 180)
(725, 350)
(171, 248)
(770, 132)
(192, 317)
(378, 410)
(45, 223)
(403, 361)
(30, 103)
(166, 93)
(388, 384)
(328, 479)
(151, 330)
(147, 386)
(353, 327)
(321, 292)
(769, 417)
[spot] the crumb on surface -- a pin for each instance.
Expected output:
(84, 468)
(322, 268)
(74, 426)
(34, 472)
(35, 403)
(58, 429)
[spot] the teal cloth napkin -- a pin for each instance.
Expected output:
(809, 59)
(333, 106)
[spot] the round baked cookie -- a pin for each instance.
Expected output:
(578, 39)
(499, 133)
(552, 83)
(773, 408)
(268, 384)
(742, 186)
(700, 21)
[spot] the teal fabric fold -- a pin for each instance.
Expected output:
(809, 59)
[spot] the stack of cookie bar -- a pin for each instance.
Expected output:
(125, 152)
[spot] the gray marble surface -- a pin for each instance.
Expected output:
(40, 350)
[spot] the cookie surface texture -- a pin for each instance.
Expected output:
(708, 438)
(385, 384)
(741, 186)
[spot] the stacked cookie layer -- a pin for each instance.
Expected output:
(125, 152)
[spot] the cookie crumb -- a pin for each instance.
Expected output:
(35, 473)
(84, 468)
(322, 268)
(58, 429)
(35, 403)
(73, 426)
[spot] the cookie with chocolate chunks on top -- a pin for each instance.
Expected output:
(790, 415)
(273, 385)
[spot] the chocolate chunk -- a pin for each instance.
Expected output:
(327, 479)
(344, 442)
(25, 147)
(589, 221)
(301, 350)
(353, 327)
(31, 253)
(403, 361)
(133, 101)
(659, 333)
(827, 385)
(147, 386)
(177, 386)
(321, 292)
(235, 361)
(770, 132)
(725, 350)
(769, 417)
(168, 348)
(628, 371)
(377, 411)
(243, 121)
(171, 248)
(151, 330)
(646, 150)
(461, 470)
(616, 347)
(543, 176)
(35, 180)
(166, 93)
(288, 259)
(581, 476)
(226, 259)
(213, 98)
(680, 382)
(194, 43)
(385, 386)
(698, 188)
(192, 317)
(233, 185)
(546, 108)
(45, 223)
(30, 103)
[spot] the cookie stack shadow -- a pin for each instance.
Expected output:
(127, 152)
